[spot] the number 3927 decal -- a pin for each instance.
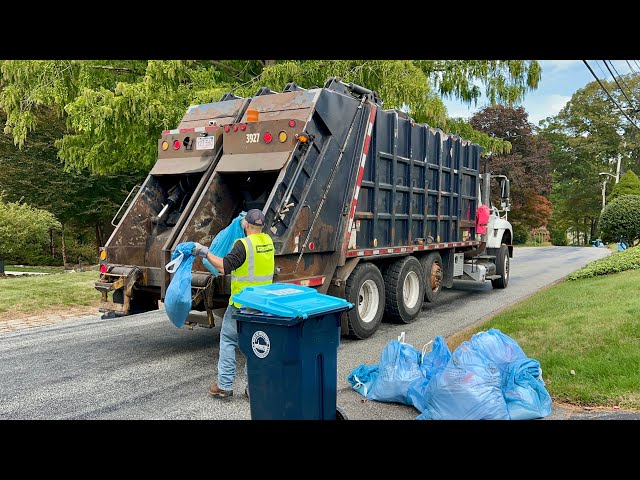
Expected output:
(253, 137)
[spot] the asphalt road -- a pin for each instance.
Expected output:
(142, 367)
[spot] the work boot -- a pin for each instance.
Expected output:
(215, 391)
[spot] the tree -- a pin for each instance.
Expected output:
(527, 165)
(35, 175)
(116, 110)
(588, 136)
(621, 219)
(629, 184)
(23, 228)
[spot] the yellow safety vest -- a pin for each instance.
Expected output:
(257, 268)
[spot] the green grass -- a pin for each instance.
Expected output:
(22, 268)
(590, 326)
(536, 244)
(47, 292)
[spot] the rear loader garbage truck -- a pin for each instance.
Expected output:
(361, 203)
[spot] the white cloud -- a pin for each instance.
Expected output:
(558, 65)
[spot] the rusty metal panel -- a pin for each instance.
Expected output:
(172, 166)
(222, 112)
(251, 162)
(284, 102)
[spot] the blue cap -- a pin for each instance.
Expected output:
(255, 217)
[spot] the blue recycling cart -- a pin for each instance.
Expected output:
(290, 336)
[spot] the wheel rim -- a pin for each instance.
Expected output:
(506, 267)
(411, 289)
(435, 279)
(368, 301)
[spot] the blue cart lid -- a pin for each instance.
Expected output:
(289, 300)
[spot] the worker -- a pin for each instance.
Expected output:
(251, 263)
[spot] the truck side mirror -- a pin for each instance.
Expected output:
(504, 192)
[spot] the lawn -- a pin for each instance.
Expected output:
(41, 294)
(586, 336)
(27, 268)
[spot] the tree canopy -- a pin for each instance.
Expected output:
(116, 109)
(588, 136)
(527, 165)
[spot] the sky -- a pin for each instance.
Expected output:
(560, 80)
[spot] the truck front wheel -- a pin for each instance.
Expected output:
(502, 267)
(365, 289)
(404, 285)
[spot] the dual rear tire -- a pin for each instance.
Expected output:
(396, 293)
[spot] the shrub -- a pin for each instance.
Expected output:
(629, 184)
(621, 218)
(628, 259)
(558, 236)
(520, 234)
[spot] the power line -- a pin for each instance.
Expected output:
(619, 86)
(630, 67)
(609, 95)
(636, 62)
(622, 79)
(604, 75)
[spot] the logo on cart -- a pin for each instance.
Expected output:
(260, 344)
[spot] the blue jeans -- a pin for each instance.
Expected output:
(228, 345)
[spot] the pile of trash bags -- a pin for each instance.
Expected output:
(488, 377)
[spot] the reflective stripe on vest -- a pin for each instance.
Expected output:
(258, 266)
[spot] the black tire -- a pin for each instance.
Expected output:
(340, 415)
(433, 273)
(406, 270)
(502, 267)
(361, 286)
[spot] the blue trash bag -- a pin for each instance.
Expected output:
(223, 242)
(622, 245)
(362, 377)
(468, 388)
(524, 391)
(498, 347)
(399, 366)
(430, 364)
(177, 301)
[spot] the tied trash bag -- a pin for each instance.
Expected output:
(430, 364)
(524, 390)
(362, 378)
(399, 366)
(223, 242)
(177, 301)
(468, 388)
(501, 349)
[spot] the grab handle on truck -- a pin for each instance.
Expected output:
(122, 206)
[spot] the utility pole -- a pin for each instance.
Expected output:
(604, 184)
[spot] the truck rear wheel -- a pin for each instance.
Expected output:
(502, 267)
(432, 266)
(365, 289)
(404, 285)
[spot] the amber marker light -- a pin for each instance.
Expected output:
(165, 145)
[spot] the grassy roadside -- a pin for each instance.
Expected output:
(589, 326)
(26, 268)
(37, 295)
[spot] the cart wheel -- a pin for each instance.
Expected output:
(340, 415)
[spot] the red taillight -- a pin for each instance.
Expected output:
(235, 128)
(267, 137)
(226, 129)
(176, 144)
(243, 127)
(292, 123)
(103, 268)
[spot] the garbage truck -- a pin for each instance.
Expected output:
(361, 202)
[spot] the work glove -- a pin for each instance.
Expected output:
(199, 250)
